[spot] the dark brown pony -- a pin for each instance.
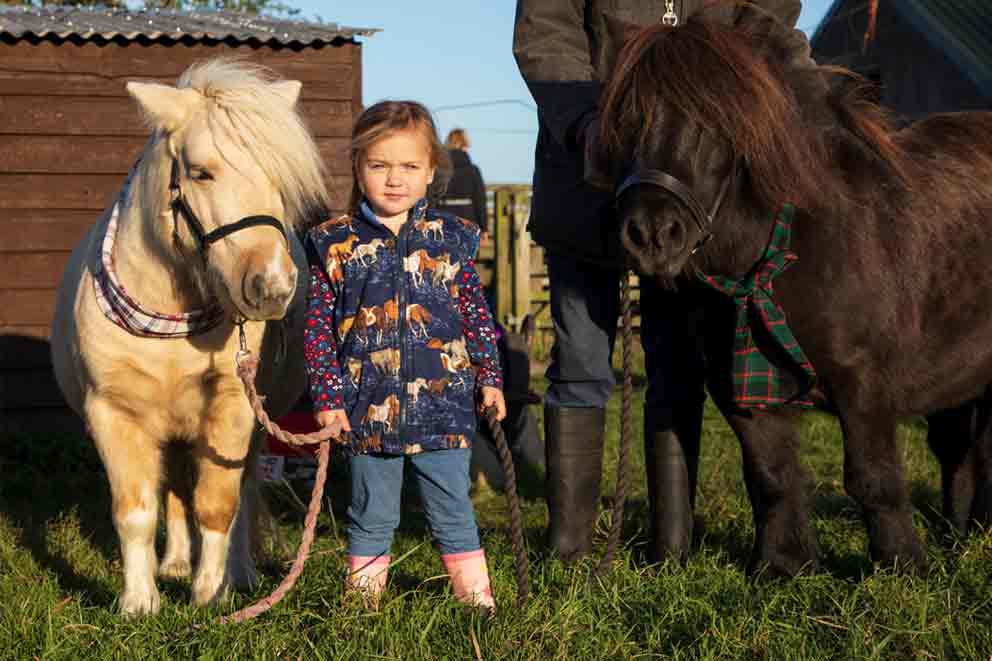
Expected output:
(891, 297)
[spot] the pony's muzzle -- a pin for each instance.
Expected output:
(652, 242)
(268, 292)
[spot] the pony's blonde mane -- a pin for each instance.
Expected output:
(244, 106)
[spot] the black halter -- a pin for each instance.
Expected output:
(684, 195)
(181, 208)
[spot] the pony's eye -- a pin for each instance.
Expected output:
(201, 175)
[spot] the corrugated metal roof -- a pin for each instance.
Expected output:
(110, 23)
(962, 29)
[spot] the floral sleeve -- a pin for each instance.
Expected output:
(320, 344)
(478, 328)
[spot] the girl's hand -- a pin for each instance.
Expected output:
(493, 397)
(336, 419)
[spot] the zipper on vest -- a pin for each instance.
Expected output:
(401, 303)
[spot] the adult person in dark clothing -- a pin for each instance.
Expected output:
(564, 50)
(466, 193)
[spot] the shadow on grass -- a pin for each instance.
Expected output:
(47, 480)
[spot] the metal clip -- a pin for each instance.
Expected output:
(670, 18)
(243, 351)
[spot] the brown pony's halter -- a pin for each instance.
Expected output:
(685, 196)
(180, 207)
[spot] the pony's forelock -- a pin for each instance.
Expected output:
(244, 104)
(723, 79)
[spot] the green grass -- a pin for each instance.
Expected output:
(60, 577)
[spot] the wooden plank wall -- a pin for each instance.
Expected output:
(70, 132)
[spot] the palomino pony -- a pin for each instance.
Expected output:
(712, 129)
(144, 337)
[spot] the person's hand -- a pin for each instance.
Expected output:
(335, 419)
(490, 396)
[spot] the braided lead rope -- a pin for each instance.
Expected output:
(247, 366)
(620, 498)
(516, 520)
(302, 554)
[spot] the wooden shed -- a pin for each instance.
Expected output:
(69, 132)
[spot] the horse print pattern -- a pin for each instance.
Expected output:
(398, 333)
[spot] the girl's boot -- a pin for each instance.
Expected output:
(367, 578)
(470, 579)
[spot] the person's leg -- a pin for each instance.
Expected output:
(373, 515)
(584, 308)
(443, 479)
(673, 410)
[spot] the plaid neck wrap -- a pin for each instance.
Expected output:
(770, 367)
(124, 311)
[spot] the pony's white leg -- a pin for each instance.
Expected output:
(177, 490)
(222, 459)
(133, 463)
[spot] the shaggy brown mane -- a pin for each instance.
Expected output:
(729, 80)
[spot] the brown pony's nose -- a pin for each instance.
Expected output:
(269, 292)
(654, 241)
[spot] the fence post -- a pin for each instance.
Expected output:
(521, 259)
(503, 221)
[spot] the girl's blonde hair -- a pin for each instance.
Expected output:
(457, 139)
(383, 118)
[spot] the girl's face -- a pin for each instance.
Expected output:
(395, 172)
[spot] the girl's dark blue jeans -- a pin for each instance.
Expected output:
(443, 480)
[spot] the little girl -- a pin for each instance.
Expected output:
(400, 348)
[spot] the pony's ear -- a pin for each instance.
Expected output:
(166, 107)
(288, 90)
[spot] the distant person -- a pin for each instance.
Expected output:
(466, 193)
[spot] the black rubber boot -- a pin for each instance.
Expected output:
(573, 442)
(671, 457)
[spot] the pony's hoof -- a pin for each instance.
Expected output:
(175, 569)
(911, 560)
(766, 566)
(207, 593)
(135, 603)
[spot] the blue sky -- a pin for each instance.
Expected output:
(453, 53)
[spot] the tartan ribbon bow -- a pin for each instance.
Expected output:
(770, 368)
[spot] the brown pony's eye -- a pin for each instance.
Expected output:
(201, 175)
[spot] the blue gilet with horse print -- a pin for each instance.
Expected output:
(398, 333)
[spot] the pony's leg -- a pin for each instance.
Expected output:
(240, 560)
(874, 477)
(775, 480)
(221, 460)
(178, 493)
(133, 462)
(950, 436)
